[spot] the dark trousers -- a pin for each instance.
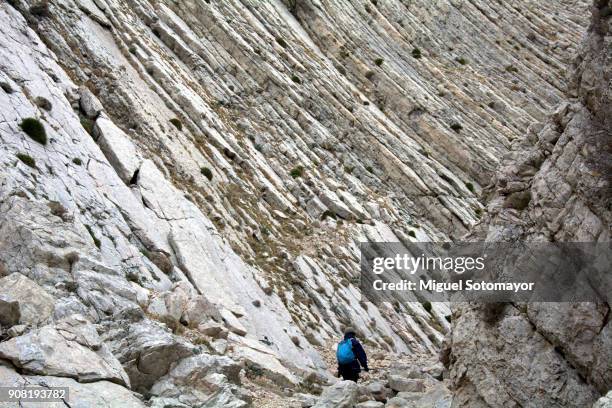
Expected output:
(349, 372)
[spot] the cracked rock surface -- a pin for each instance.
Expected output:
(187, 232)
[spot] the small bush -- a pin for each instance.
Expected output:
(6, 87)
(427, 306)
(461, 60)
(369, 169)
(328, 213)
(207, 173)
(77, 161)
(412, 233)
(27, 160)
(282, 42)
(35, 129)
(177, 123)
(511, 68)
(470, 186)
(416, 53)
(379, 61)
(296, 79)
(478, 212)
(43, 103)
(456, 127)
(297, 171)
(369, 74)
(40, 9)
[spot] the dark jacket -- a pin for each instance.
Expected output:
(361, 360)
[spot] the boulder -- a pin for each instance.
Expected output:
(437, 397)
(604, 402)
(147, 350)
(71, 350)
(89, 104)
(398, 384)
(379, 391)
(343, 394)
(118, 149)
(23, 301)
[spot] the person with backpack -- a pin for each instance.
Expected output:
(351, 356)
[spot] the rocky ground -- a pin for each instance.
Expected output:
(184, 185)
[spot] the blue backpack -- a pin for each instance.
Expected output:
(344, 352)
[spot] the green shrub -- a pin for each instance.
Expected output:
(43, 103)
(456, 127)
(461, 60)
(379, 61)
(470, 186)
(328, 213)
(511, 68)
(427, 306)
(77, 161)
(207, 173)
(177, 123)
(478, 212)
(412, 233)
(27, 160)
(40, 9)
(296, 79)
(281, 42)
(416, 53)
(369, 169)
(297, 171)
(369, 74)
(6, 87)
(35, 129)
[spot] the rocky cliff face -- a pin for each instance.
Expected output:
(553, 186)
(184, 182)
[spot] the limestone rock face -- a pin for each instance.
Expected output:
(547, 354)
(208, 168)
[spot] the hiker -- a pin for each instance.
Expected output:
(351, 357)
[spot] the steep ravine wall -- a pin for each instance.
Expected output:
(548, 354)
(211, 165)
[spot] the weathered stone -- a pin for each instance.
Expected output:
(89, 104)
(398, 383)
(23, 301)
(76, 353)
(147, 351)
(343, 394)
(305, 400)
